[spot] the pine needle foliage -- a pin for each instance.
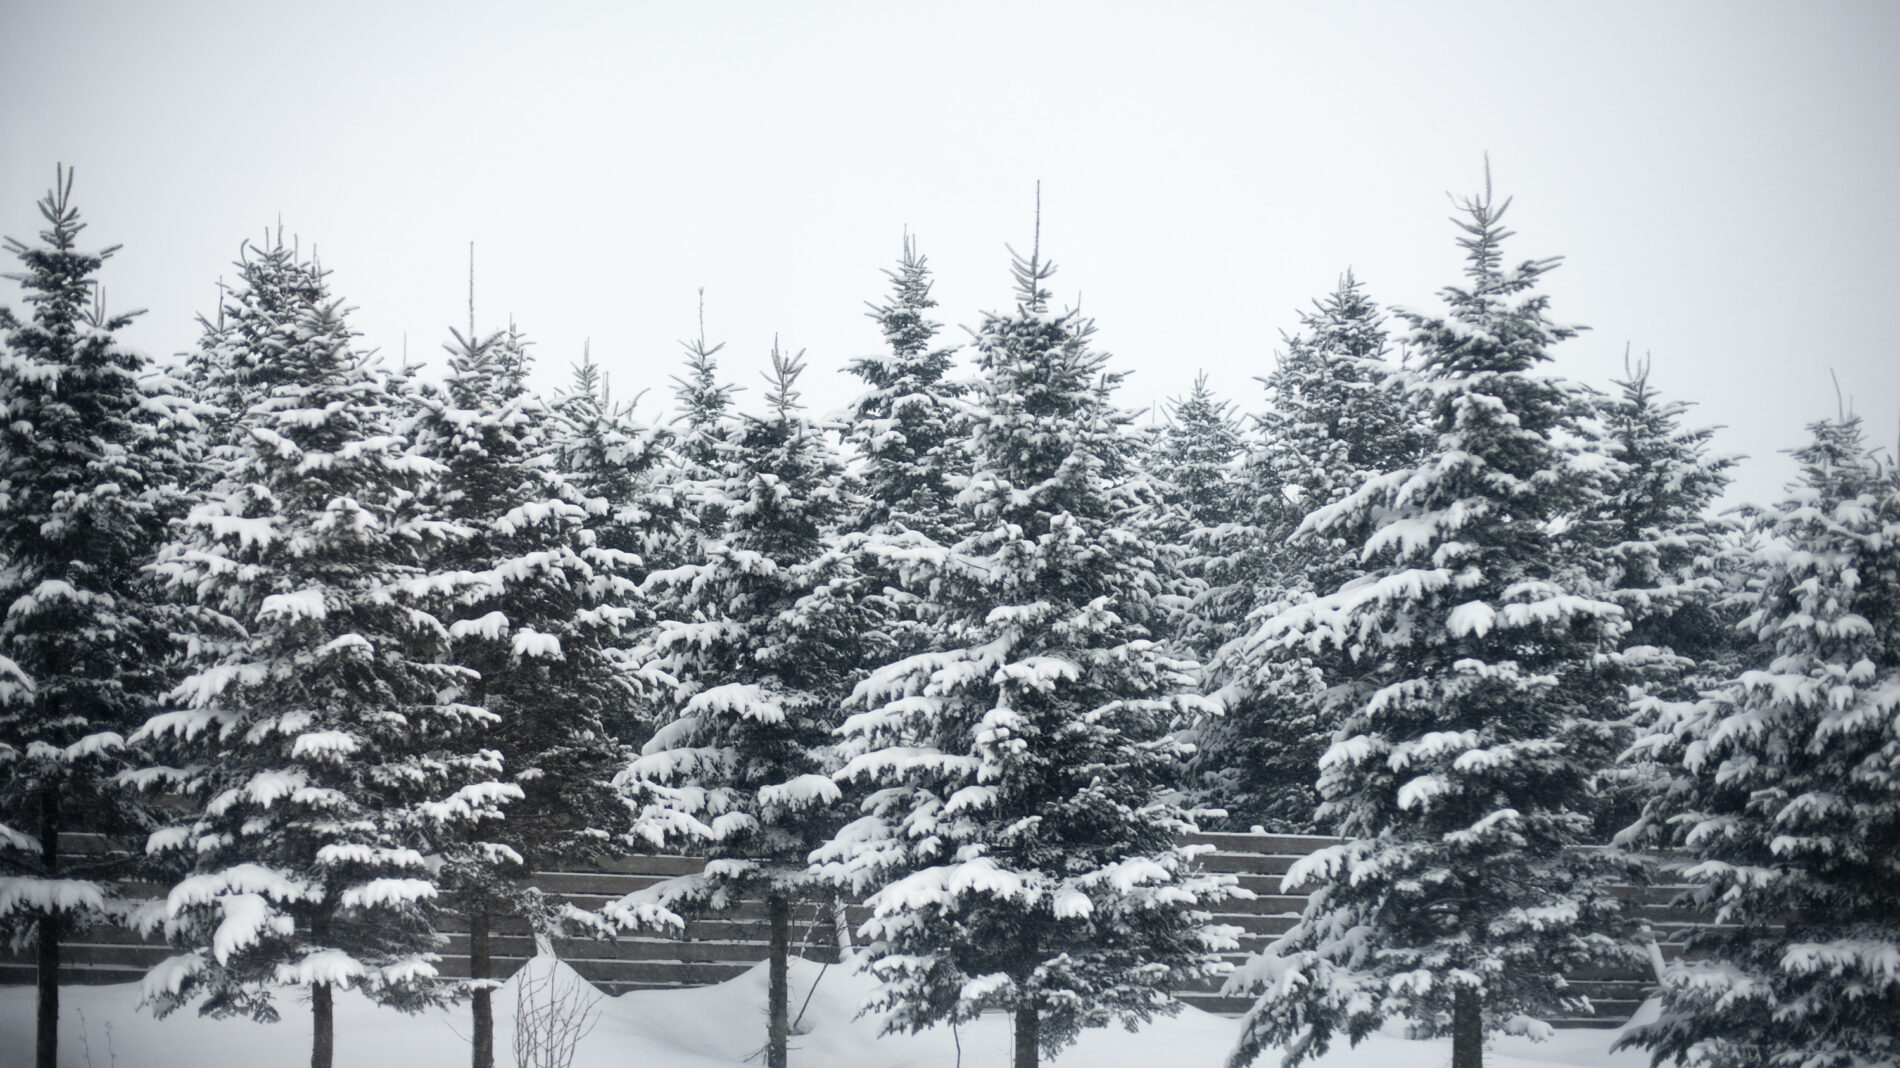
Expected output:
(1012, 833)
(93, 447)
(1784, 797)
(1461, 669)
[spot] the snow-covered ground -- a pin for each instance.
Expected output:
(698, 1028)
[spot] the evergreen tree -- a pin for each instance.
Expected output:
(1337, 417)
(535, 609)
(615, 462)
(231, 363)
(910, 430)
(1471, 713)
(1022, 859)
(1200, 440)
(90, 454)
(757, 638)
(1191, 466)
(909, 426)
(1669, 565)
(1338, 412)
(1662, 541)
(702, 450)
(1785, 793)
(320, 740)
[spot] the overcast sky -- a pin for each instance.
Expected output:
(1720, 177)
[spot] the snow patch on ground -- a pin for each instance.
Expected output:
(697, 1028)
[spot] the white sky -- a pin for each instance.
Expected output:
(1719, 176)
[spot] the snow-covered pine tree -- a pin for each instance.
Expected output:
(536, 610)
(318, 742)
(1337, 413)
(1200, 440)
(1785, 797)
(231, 369)
(615, 462)
(1657, 504)
(90, 453)
(228, 367)
(1191, 465)
(1469, 705)
(760, 639)
(702, 449)
(910, 429)
(1336, 418)
(1020, 857)
(1671, 565)
(909, 426)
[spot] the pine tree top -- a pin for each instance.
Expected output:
(704, 402)
(1493, 326)
(902, 317)
(782, 398)
(909, 427)
(1673, 479)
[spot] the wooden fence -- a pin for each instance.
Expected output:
(717, 947)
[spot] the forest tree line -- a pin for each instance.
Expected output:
(351, 651)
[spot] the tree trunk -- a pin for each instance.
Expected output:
(481, 1002)
(323, 1036)
(1028, 1026)
(779, 907)
(841, 923)
(1467, 1030)
(46, 1045)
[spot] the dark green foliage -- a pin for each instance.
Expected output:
(1784, 793)
(909, 427)
(1013, 768)
(92, 448)
(320, 740)
(1338, 416)
(1462, 674)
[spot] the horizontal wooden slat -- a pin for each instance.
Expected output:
(1257, 924)
(1295, 845)
(609, 884)
(639, 863)
(72, 974)
(1207, 1002)
(1245, 862)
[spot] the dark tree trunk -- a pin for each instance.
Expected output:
(46, 1047)
(1467, 1030)
(1028, 1037)
(779, 907)
(323, 1036)
(481, 1002)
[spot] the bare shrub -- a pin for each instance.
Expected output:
(554, 1010)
